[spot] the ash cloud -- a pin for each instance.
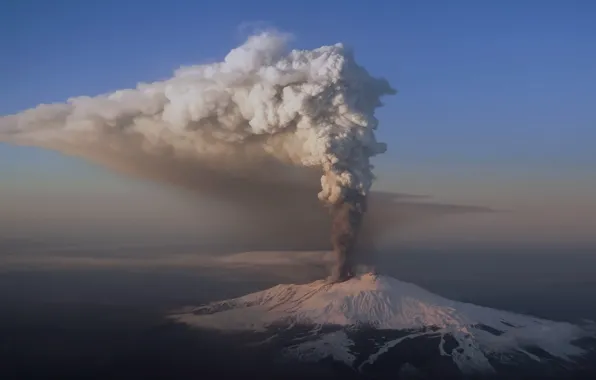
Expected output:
(265, 120)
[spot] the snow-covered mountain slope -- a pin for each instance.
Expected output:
(385, 303)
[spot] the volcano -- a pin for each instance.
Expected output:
(377, 324)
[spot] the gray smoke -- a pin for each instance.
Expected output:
(246, 120)
(347, 220)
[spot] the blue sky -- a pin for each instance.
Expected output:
(500, 83)
(486, 89)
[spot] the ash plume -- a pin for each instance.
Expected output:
(260, 111)
(347, 219)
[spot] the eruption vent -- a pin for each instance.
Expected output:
(262, 104)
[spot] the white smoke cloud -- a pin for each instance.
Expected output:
(308, 108)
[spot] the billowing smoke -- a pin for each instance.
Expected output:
(262, 109)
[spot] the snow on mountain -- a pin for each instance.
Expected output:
(385, 303)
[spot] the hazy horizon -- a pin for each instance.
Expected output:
(45, 192)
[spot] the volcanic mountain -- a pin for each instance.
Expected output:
(371, 320)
